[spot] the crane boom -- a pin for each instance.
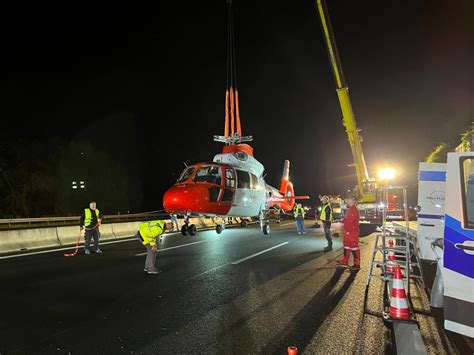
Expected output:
(365, 185)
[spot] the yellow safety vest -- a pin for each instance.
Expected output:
(88, 219)
(151, 230)
(323, 216)
(299, 211)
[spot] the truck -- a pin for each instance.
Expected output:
(445, 233)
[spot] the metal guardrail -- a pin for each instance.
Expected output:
(21, 223)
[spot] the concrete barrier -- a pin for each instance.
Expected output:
(127, 229)
(107, 232)
(35, 238)
(25, 239)
(67, 235)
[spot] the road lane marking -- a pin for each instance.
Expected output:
(285, 224)
(66, 248)
(257, 254)
(81, 245)
(175, 247)
(206, 272)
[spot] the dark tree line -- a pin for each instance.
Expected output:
(37, 176)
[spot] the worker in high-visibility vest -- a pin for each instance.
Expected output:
(174, 219)
(326, 218)
(277, 213)
(351, 235)
(89, 223)
(148, 234)
(299, 216)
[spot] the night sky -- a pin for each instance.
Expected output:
(148, 83)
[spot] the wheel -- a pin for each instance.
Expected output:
(192, 229)
(266, 229)
(243, 223)
(184, 229)
(219, 229)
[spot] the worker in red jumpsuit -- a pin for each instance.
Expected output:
(351, 235)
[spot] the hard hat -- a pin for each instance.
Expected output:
(325, 196)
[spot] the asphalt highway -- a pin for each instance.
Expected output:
(239, 292)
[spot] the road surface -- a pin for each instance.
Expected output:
(239, 292)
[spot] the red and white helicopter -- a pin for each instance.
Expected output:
(233, 184)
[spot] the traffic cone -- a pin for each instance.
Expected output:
(292, 350)
(398, 303)
(391, 259)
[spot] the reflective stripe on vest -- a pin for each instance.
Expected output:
(323, 216)
(299, 211)
(88, 214)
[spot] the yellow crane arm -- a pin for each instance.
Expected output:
(365, 185)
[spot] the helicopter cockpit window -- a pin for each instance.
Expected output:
(229, 178)
(186, 174)
(253, 181)
(241, 156)
(211, 174)
(243, 179)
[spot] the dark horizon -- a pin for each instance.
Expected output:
(145, 87)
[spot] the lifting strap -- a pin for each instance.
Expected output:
(232, 112)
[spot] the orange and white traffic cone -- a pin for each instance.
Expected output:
(292, 350)
(391, 259)
(398, 303)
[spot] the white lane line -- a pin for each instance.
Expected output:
(286, 224)
(175, 247)
(257, 254)
(206, 272)
(66, 248)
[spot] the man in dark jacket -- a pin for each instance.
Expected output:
(326, 219)
(89, 224)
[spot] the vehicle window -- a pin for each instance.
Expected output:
(228, 195)
(211, 174)
(229, 178)
(186, 174)
(253, 181)
(243, 179)
(468, 190)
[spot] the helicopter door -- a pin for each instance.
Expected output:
(229, 186)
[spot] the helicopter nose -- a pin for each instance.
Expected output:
(181, 199)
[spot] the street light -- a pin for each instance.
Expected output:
(386, 174)
(81, 185)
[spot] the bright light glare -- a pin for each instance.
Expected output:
(386, 174)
